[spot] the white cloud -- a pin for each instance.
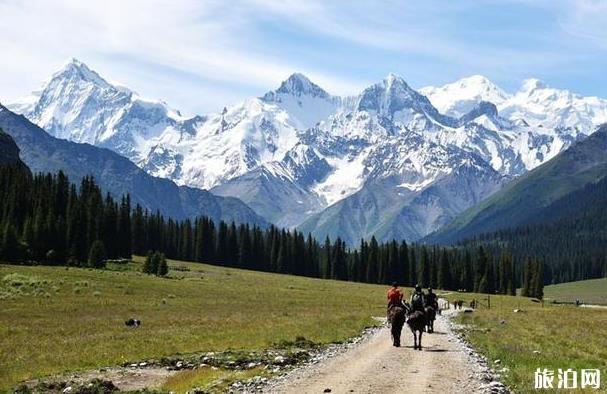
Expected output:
(201, 55)
(210, 40)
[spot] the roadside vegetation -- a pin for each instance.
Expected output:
(58, 319)
(536, 336)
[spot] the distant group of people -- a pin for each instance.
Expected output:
(418, 301)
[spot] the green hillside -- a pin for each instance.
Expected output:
(592, 291)
(56, 319)
(519, 201)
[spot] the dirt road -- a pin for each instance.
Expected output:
(445, 365)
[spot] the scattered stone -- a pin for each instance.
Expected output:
(279, 359)
(68, 389)
(517, 311)
(143, 364)
(327, 390)
(537, 352)
(497, 361)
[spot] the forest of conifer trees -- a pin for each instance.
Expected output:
(47, 220)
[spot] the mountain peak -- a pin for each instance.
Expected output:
(393, 80)
(75, 70)
(462, 96)
(531, 84)
(298, 84)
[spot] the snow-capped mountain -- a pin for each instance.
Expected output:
(390, 161)
(535, 104)
(460, 97)
(79, 105)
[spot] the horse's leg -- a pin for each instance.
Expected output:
(397, 336)
(393, 332)
(420, 340)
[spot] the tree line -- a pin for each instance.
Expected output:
(45, 218)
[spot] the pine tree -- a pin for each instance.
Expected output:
(10, 249)
(97, 255)
(527, 279)
(326, 265)
(538, 280)
(163, 268)
(444, 273)
(372, 261)
(480, 271)
(403, 254)
(423, 268)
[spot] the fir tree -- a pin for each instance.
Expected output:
(97, 255)
(163, 268)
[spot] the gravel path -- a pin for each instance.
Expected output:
(445, 365)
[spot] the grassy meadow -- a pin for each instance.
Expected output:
(55, 319)
(565, 337)
(592, 291)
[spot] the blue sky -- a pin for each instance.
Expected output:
(201, 55)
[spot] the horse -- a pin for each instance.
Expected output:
(430, 317)
(416, 320)
(396, 317)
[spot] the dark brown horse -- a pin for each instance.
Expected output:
(430, 317)
(416, 320)
(396, 317)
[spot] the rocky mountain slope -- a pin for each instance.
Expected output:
(300, 156)
(9, 151)
(117, 175)
(526, 200)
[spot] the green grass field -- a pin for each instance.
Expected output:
(54, 319)
(592, 291)
(565, 336)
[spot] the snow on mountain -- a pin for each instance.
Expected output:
(245, 136)
(542, 106)
(299, 154)
(535, 104)
(460, 97)
(79, 105)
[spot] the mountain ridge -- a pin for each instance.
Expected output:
(518, 202)
(42, 152)
(295, 151)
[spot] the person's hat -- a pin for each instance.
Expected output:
(418, 287)
(394, 284)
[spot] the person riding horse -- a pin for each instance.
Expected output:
(432, 299)
(396, 312)
(418, 299)
(395, 296)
